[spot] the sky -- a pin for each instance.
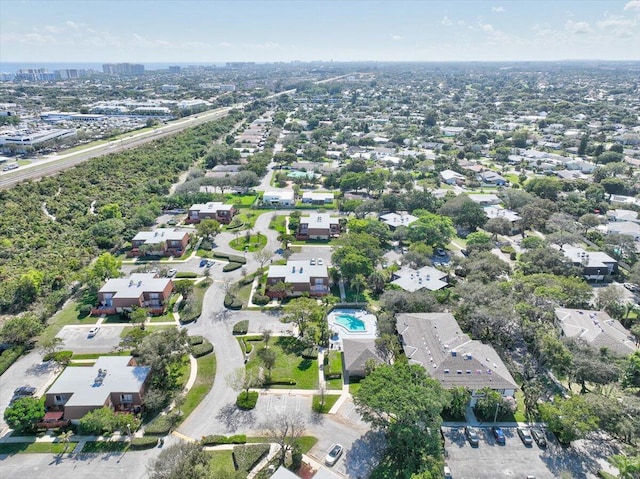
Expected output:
(161, 31)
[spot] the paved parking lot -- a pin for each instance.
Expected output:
(76, 338)
(312, 251)
(515, 460)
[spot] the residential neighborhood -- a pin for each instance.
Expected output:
(347, 270)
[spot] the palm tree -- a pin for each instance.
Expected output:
(65, 438)
(359, 282)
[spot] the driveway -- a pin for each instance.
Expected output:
(29, 370)
(76, 338)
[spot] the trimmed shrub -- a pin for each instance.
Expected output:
(203, 349)
(247, 401)
(231, 267)
(194, 340)
(261, 299)
(246, 280)
(145, 442)
(232, 303)
(241, 327)
(215, 440)
(245, 457)
(508, 249)
(280, 382)
(232, 258)
(513, 256)
(332, 375)
(10, 356)
(161, 425)
(248, 347)
(84, 310)
(186, 274)
(310, 353)
(60, 357)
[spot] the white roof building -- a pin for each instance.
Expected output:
(398, 219)
(413, 280)
(159, 236)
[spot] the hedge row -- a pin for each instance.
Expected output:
(10, 356)
(232, 258)
(203, 349)
(61, 357)
(332, 375)
(194, 340)
(216, 440)
(161, 425)
(280, 382)
(144, 442)
(186, 274)
(241, 327)
(231, 267)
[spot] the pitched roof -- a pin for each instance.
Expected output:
(357, 352)
(398, 219)
(596, 328)
(412, 280)
(436, 342)
(91, 386)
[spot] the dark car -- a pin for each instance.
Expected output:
(441, 252)
(539, 437)
(472, 436)
(525, 435)
(498, 434)
(25, 391)
(203, 262)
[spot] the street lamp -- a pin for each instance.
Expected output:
(129, 431)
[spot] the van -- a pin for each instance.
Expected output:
(447, 473)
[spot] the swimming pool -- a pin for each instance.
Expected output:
(350, 322)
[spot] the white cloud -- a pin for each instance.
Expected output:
(396, 37)
(577, 28)
(71, 24)
(486, 27)
(620, 27)
(225, 44)
(632, 5)
(263, 46)
(146, 42)
(498, 9)
(446, 21)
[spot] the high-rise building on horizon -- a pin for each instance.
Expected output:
(123, 69)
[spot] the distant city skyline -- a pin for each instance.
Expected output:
(268, 31)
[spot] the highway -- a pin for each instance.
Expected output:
(50, 166)
(46, 167)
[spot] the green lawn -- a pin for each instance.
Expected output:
(241, 201)
(250, 244)
(36, 448)
(329, 401)
(354, 388)
(67, 315)
(289, 363)
(221, 463)
(97, 355)
(335, 365)
(278, 223)
(105, 446)
(202, 386)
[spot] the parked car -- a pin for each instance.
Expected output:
(472, 436)
(447, 473)
(539, 436)
(498, 434)
(93, 331)
(525, 435)
(25, 391)
(441, 252)
(333, 455)
(203, 262)
(171, 273)
(210, 264)
(312, 261)
(632, 287)
(320, 261)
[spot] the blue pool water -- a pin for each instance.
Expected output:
(350, 322)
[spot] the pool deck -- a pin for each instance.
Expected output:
(370, 321)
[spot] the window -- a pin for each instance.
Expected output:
(58, 400)
(154, 295)
(126, 398)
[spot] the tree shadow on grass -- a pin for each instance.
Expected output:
(305, 364)
(290, 345)
(233, 418)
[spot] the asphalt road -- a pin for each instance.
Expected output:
(39, 169)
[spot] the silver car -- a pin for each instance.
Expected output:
(333, 455)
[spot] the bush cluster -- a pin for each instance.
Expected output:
(231, 267)
(9, 356)
(247, 401)
(194, 340)
(231, 302)
(261, 299)
(161, 425)
(232, 258)
(145, 442)
(216, 440)
(203, 349)
(186, 274)
(241, 327)
(280, 382)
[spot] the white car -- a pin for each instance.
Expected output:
(320, 261)
(333, 455)
(93, 331)
(171, 273)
